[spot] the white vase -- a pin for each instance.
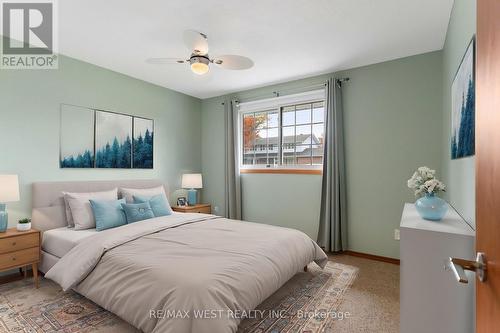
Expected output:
(23, 226)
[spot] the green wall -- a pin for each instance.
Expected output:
(459, 175)
(29, 127)
(392, 125)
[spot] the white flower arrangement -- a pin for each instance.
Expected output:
(424, 181)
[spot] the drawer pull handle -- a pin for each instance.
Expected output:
(14, 244)
(14, 259)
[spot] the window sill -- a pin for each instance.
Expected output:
(285, 171)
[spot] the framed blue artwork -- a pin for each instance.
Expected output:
(113, 140)
(77, 137)
(463, 106)
(143, 143)
(93, 138)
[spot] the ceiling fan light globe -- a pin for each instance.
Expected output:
(199, 68)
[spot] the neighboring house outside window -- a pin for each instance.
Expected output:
(283, 132)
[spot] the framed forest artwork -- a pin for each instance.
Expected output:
(101, 139)
(77, 137)
(463, 106)
(113, 140)
(143, 143)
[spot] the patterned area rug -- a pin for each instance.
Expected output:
(307, 303)
(49, 309)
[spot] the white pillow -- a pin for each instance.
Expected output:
(69, 218)
(128, 193)
(80, 209)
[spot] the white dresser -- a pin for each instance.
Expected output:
(432, 301)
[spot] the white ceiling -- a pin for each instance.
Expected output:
(287, 39)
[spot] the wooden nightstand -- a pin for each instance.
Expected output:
(199, 208)
(19, 249)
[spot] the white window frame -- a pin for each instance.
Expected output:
(271, 104)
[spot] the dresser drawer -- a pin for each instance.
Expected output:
(11, 244)
(204, 210)
(18, 258)
(200, 208)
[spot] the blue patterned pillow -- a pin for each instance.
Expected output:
(108, 214)
(138, 212)
(159, 204)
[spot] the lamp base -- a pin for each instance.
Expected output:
(192, 197)
(4, 218)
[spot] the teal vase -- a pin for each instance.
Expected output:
(3, 218)
(430, 207)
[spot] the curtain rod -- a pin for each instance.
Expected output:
(278, 93)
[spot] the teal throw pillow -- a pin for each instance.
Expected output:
(108, 213)
(159, 204)
(138, 212)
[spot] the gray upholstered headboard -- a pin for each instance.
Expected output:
(48, 204)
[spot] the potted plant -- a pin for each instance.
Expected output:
(426, 187)
(24, 225)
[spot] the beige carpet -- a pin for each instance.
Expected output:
(373, 299)
(351, 295)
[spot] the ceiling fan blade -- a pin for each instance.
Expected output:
(165, 61)
(196, 42)
(233, 62)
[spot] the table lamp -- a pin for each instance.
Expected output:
(192, 181)
(9, 192)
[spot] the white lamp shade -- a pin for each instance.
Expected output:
(9, 188)
(192, 180)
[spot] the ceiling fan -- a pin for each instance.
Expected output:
(199, 60)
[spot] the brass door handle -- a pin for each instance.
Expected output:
(458, 267)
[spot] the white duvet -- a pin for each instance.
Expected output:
(185, 272)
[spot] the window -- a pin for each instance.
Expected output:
(283, 133)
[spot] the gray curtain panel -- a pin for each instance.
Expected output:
(332, 235)
(232, 191)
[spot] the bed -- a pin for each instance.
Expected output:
(177, 273)
(60, 241)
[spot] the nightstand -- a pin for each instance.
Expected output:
(199, 208)
(19, 249)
